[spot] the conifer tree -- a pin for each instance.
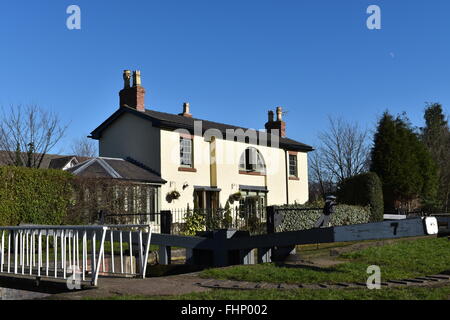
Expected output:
(436, 136)
(404, 165)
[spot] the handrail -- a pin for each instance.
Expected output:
(55, 251)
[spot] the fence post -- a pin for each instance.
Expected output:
(274, 219)
(166, 228)
(265, 254)
(166, 221)
(270, 219)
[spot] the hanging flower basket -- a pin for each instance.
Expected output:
(235, 197)
(173, 195)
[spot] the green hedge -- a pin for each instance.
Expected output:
(294, 219)
(36, 196)
(56, 197)
(363, 190)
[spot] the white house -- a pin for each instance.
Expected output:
(205, 162)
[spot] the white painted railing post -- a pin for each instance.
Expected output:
(47, 250)
(94, 244)
(111, 237)
(31, 253)
(121, 251)
(16, 245)
(39, 252)
(84, 262)
(101, 253)
(55, 250)
(63, 252)
(131, 251)
(3, 251)
(147, 250)
(9, 251)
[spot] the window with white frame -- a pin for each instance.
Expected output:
(186, 152)
(293, 165)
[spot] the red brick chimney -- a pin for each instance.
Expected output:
(279, 124)
(132, 96)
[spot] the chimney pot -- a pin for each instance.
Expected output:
(132, 97)
(126, 78)
(137, 78)
(278, 125)
(270, 113)
(186, 110)
(279, 114)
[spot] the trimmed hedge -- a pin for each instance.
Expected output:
(294, 219)
(37, 196)
(56, 197)
(363, 190)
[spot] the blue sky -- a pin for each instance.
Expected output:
(232, 60)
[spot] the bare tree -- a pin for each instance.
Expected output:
(343, 153)
(28, 134)
(84, 147)
(321, 182)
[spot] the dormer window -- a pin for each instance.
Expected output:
(251, 161)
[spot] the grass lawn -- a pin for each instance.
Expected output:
(403, 259)
(407, 293)
(398, 260)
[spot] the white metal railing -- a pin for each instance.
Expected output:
(63, 251)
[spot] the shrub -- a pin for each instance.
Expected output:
(194, 222)
(36, 196)
(56, 197)
(363, 190)
(304, 217)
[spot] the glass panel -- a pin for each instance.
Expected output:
(251, 160)
(293, 165)
(186, 152)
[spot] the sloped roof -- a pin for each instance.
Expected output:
(173, 121)
(115, 168)
(5, 158)
(60, 163)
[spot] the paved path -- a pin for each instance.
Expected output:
(188, 283)
(158, 286)
(244, 285)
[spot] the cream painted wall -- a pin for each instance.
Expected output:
(170, 160)
(131, 136)
(226, 171)
(298, 189)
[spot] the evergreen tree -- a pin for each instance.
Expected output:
(436, 136)
(403, 164)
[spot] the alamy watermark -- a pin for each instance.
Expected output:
(229, 153)
(74, 281)
(73, 22)
(374, 280)
(374, 20)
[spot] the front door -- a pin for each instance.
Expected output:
(206, 200)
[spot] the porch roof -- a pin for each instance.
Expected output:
(115, 168)
(253, 188)
(206, 188)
